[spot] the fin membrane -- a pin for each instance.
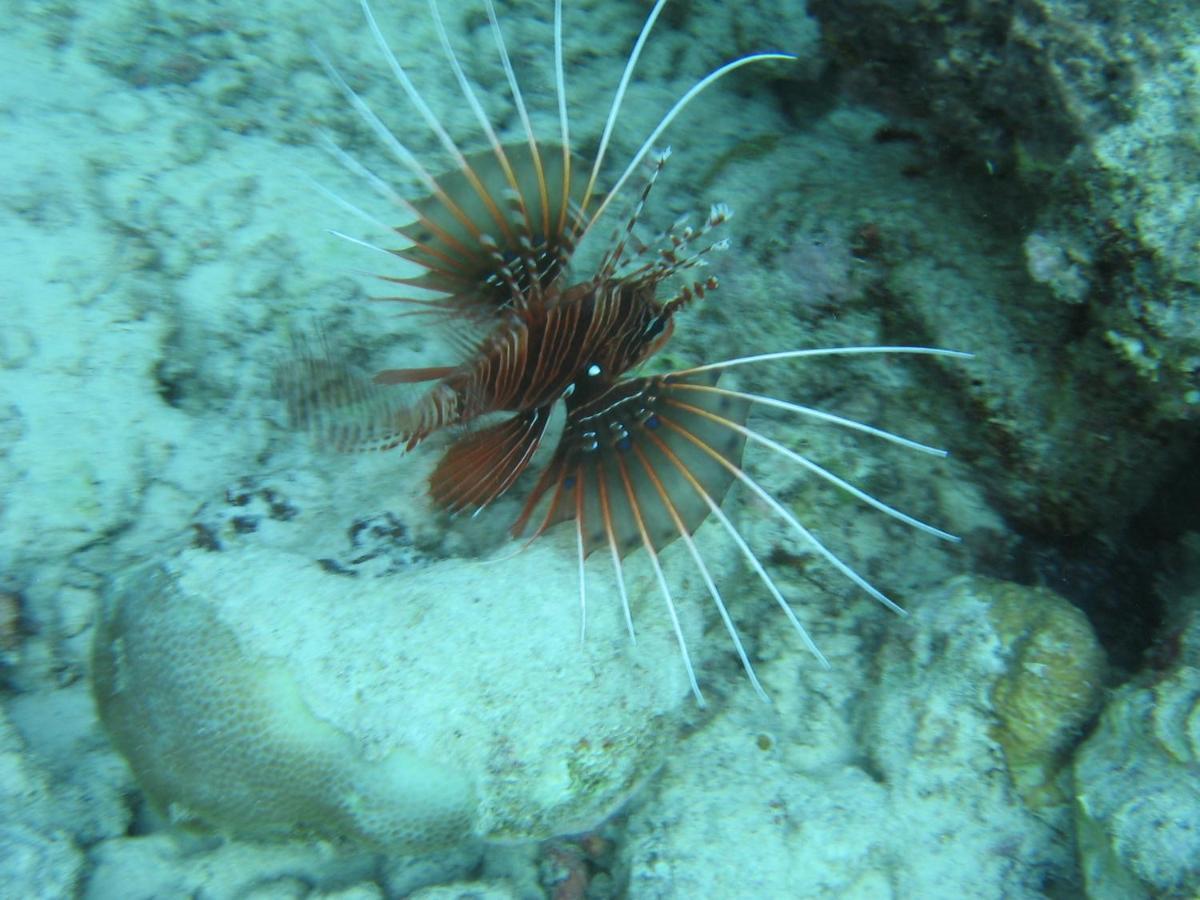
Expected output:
(622, 452)
(339, 406)
(476, 242)
(482, 465)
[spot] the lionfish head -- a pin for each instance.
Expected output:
(651, 325)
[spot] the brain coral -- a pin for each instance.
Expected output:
(221, 737)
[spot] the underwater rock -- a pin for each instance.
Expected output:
(901, 788)
(163, 865)
(1137, 780)
(38, 857)
(1124, 203)
(57, 740)
(975, 710)
(1051, 686)
(732, 819)
(262, 695)
(457, 890)
(36, 864)
(1077, 123)
(1021, 661)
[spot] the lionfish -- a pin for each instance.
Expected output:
(641, 461)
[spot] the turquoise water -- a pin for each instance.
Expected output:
(925, 625)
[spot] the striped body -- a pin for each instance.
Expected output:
(591, 334)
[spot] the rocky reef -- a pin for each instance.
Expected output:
(232, 666)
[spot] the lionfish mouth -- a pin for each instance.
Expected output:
(642, 461)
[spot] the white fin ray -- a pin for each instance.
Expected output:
(472, 99)
(358, 242)
(665, 122)
(811, 539)
(564, 127)
(821, 472)
(401, 152)
(823, 351)
(606, 515)
(730, 628)
(435, 125)
(615, 109)
(340, 201)
(522, 112)
(582, 572)
(745, 549)
(818, 414)
(663, 587)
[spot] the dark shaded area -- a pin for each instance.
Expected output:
(972, 70)
(1068, 438)
(382, 537)
(1114, 578)
(170, 382)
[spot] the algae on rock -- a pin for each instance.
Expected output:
(1051, 686)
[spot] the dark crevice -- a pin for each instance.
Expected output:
(1113, 578)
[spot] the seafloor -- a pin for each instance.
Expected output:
(312, 683)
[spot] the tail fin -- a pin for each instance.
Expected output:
(338, 406)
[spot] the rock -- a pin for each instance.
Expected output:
(180, 865)
(1138, 785)
(729, 819)
(902, 789)
(260, 694)
(466, 890)
(37, 864)
(1080, 118)
(1051, 686)
(38, 857)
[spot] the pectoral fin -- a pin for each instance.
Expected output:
(501, 222)
(617, 492)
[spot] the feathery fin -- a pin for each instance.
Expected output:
(482, 465)
(339, 406)
(482, 269)
(601, 433)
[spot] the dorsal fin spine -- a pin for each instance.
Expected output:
(434, 124)
(476, 107)
(560, 89)
(579, 227)
(523, 113)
